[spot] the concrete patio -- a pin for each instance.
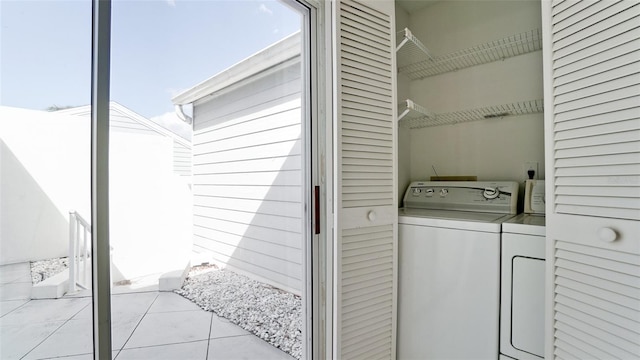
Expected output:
(145, 325)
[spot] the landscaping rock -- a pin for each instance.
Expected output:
(270, 313)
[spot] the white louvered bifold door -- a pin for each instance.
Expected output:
(366, 214)
(592, 114)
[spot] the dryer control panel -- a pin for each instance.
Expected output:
(480, 196)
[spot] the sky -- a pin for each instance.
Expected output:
(158, 49)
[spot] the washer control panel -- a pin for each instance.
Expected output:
(481, 196)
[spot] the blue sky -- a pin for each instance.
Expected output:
(159, 48)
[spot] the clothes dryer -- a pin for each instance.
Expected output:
(523, 288)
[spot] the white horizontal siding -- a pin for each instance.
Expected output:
(181, 159)
(247, 176)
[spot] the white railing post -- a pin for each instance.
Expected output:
(72, 251)
(78, 252)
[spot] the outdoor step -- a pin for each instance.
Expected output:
(173, 280)
(51, 288)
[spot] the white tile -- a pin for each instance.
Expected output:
(10, 305)
(73, 357)
(221, 327)
(125, 306)
(244, 347)
(128, 305)
(73, 338)
(15, 291)
(171, 328)
(88, 356)
(17, 340)
(36, 311)
(186, 351)
(121, 329)
(76, 337)
(168, 301)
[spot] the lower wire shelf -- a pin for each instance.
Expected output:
(414, 116)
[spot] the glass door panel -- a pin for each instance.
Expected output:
(45, 170)
(209, 179)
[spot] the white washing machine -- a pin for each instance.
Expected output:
(449, 268)
(523, 288)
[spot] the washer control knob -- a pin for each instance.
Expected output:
(429, 192)
(444, 192)
(416, 191)
(607, 234)
(371, 215)
(491, 193)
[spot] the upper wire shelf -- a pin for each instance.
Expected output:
(414, 116)
(415, 60)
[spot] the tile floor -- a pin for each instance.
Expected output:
(145, 325)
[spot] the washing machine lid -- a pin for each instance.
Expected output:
(525, 224)
(461, 220)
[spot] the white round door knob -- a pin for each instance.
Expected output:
(371, 215)
(607, 234)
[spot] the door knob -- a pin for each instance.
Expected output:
(371, 215)
(607, 234)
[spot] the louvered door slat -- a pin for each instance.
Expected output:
(566, 9)
(626, 337)
(616, 349)
(598, 129)
(599, 119)
(610, 49)
(366, 216)
(583, 37)
(586, 70)
(585, 17)
(624, 322)
(565, 350)
(592, 83)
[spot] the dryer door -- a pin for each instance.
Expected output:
(522, 305)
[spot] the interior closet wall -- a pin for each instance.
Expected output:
(492, 149)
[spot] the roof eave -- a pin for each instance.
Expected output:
(273, 55)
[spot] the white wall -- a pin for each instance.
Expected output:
(149, 207)
(492, 149)
(248, 181)
(45, 173)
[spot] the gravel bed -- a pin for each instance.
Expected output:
(272, 314)
(43, 269)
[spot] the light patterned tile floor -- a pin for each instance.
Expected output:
(145, 325)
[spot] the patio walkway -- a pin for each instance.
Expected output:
(145, 325)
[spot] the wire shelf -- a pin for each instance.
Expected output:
(409, 111)
(410, 49)
(416, 62)
(423, 118)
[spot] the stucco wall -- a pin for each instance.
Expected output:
(45, 173)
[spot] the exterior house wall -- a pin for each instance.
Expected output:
(247, 177)
(124, 120)
(45, 173)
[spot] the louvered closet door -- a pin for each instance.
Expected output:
(366, 215)
(592, 84)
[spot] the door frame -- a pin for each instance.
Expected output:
(317, 136)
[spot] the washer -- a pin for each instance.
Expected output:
(523, 288)
(449, 268)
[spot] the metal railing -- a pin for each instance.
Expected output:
(79, 252)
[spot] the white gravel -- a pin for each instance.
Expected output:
(43, 269)
(270, 313)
